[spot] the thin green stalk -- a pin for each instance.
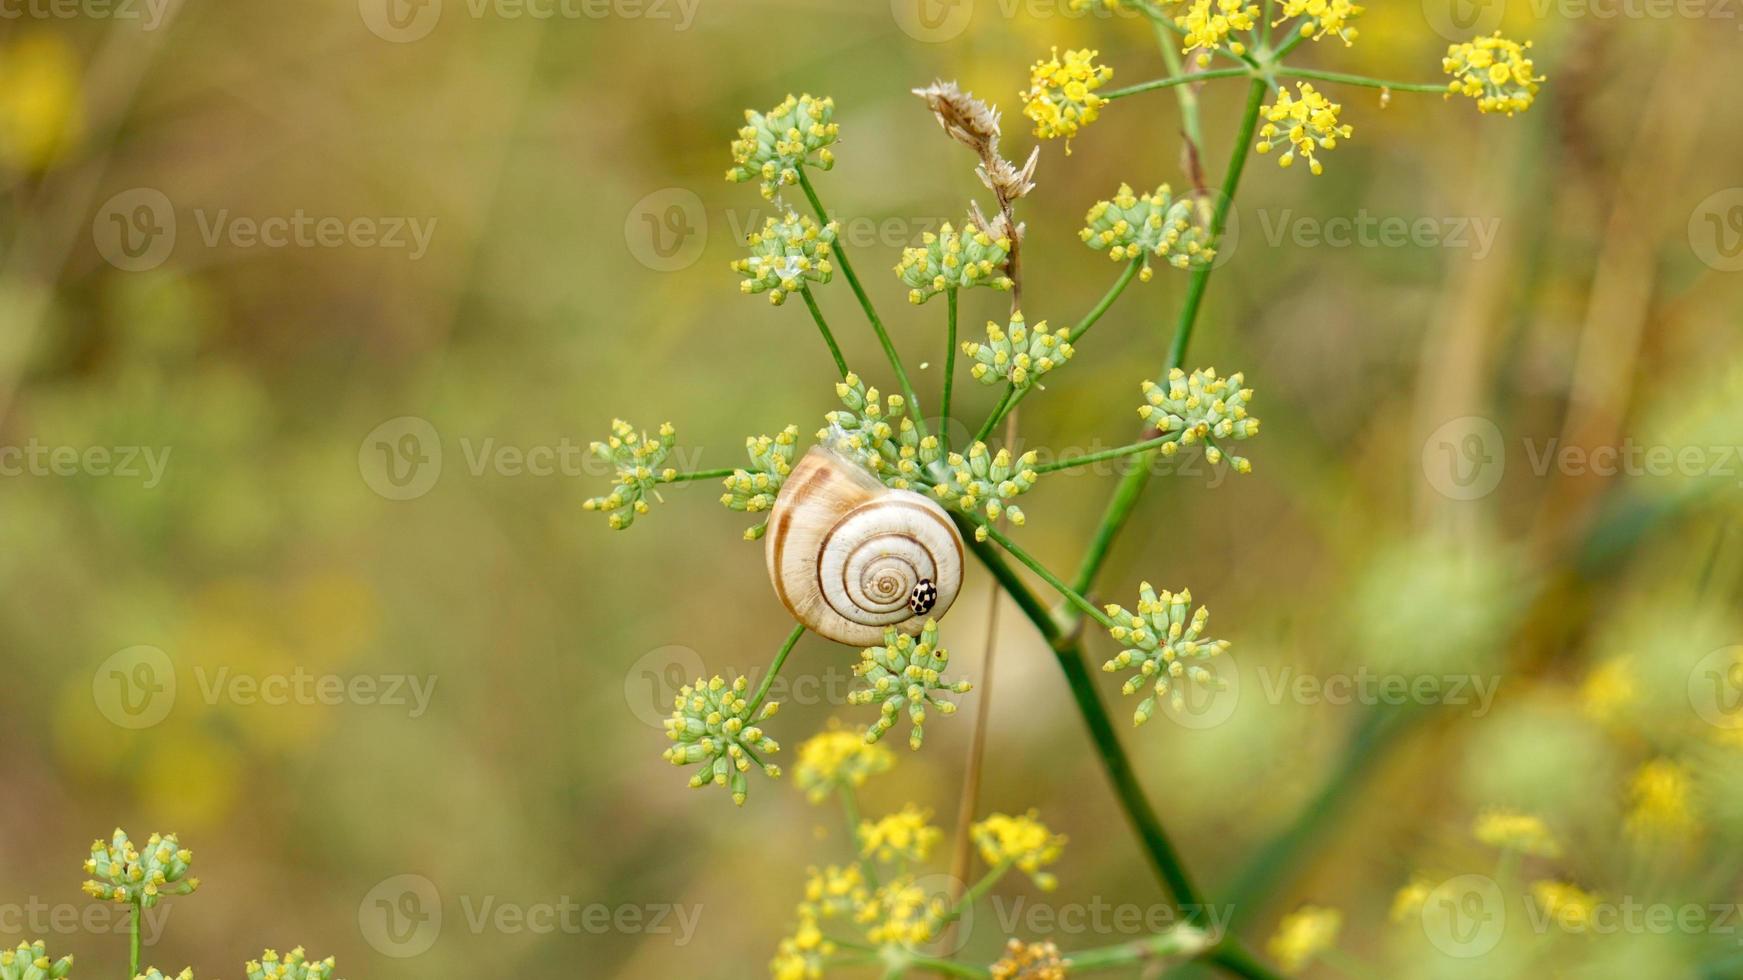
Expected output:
(850, 813)
(719, 474)
(870, 313)
(1000, 410)
(949, 365)
(951, 967)
(1348, 79)
(768, 681)
(1170, 82)
(1012, 583)
(823, 328)
(1071, 595)
(1132, 485)
(133, 958)
(1185, 95)
(1089, 458)
(1235, 959)
(1178, 941)
(975, 891)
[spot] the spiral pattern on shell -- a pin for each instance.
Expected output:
(850, 557)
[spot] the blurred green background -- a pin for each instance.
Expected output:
(1414, 509)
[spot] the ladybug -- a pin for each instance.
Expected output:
(923, 598)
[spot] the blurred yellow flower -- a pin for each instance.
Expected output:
(42, 116)
(1659, 802)
(1022, 842)
(901, 836)
(1029, 961)
(901, 913)
(1302, 935)
(1512, 830)
(1570, 906)
(1409, 899)
(838, 758)
(1608, 689)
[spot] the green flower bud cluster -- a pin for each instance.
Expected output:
(1155, 224)
(153, 973)
(124, 875)
(30, 962)
(772, 147)
(879, 436)
(753, 490)
(954, 259)
(292, 967)
(906, 672)
(1019, 355)
(1166, 647)
(713, 725)
(987, 481)
(1201, 406)
(639, 461)
(789, 251)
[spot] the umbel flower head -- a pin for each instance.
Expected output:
(1029, 961)
(640, 464)
(1510, 829)
(772, 146)
(906, 673)
(906, 835)
(1323, 17)
(1302, 935)
(1061, 97)
(1151, 225)
(988, 481)
(120, 873)
(1018, 356)
(1494, 71)
(30, 962)
(1569, 906)
(901, 913)
(153, 973)
(952, 259)
(1202, 408)
(1168, 649)
(295, 966)
(753, 489)
(879, 435)
(1021, 842)
(787, 253)
(1206, 24)
(835, 759)
(714, 725)
(1304, 123)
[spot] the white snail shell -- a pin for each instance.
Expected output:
(850, 557)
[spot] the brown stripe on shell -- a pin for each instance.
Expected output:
(823, 545)
(818, 476)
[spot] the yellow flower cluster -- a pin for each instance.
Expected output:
(1494, 71)
(1302, 935)
(1208, 23)
(1512, 830)
(838, 758)
(1410, 899)
(1304, 123)
(1323, 17)
(1660, 807)
(1568, 905)
(1061, 96)
(830, 892)
(1029, 961)
(901, 913)
(1022, 842)
(902, 836)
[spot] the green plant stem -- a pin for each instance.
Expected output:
(1170, 82)
(1000, 410)
(949, 365)
(1185, 94)
(768, 680)
(1348, 79)
(870, 313)
(823, 328)
(719, 474)
(850, 813)
(1232, 957)
(1071, 595)
(951, 967)
(1089, 458)
(133, 942)
(1132, 485)
(975, 892)
(1178, 941)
